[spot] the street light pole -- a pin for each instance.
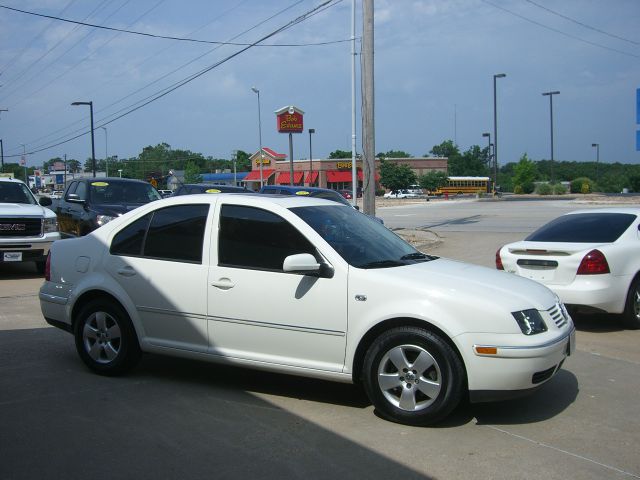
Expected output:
(550, 95)
(24, 159)
(597, 147)
(311, 130)
(255, 90)
(495, 131)
(106, 151)
(93, 146)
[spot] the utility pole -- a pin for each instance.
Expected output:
(368, 126)
(2, 147)
(354, 170)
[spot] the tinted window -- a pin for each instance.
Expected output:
(114, 192)
(17, 192)
(129, 240)
(177, 233)
(333, 196)
(254, 238)
(81, 190)
(584, 228)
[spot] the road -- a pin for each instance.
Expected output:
(181, 419)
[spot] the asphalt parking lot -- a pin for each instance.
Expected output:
(174, 418)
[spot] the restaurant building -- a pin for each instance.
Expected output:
(326, 173)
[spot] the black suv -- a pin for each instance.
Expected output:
(193, 188)
(89, 203)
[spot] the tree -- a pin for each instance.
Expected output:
(395, 176)
(433, 180)
(340, 154)
(192, 173)
(445, 149)
(524, 174)
(394, 154)
(473, 162)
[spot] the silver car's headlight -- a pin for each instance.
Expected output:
(103, 219)
(530, 321)
(50, 225)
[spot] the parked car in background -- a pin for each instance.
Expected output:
(27, 228)
(348, 194)
(165, 193)
(89, 203)
(313, 192)
(307, 287)
(404, 193)
(590, 258)
(194, 188)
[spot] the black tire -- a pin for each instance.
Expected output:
(420, 396)
(631, 315)
(105, 338)
(41, 266)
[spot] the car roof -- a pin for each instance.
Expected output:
(297, 188)
(10, 179)
(631, 210)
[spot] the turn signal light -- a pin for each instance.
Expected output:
(593, 263)
(486, 350)
(499, 265)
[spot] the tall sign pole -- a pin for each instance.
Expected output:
(354, 170)
(290, 120)
(368, 126)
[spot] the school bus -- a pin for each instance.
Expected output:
(460, 185)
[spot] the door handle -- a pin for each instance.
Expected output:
(223, 284)
(126, 272)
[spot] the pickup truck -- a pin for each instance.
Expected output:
(89, 203)
(27, 228)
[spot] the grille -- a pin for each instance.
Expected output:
(20, 227)
(557, 315)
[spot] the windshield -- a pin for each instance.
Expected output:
(358, 238)
(15, 192)
(110, 193)
(584, 228)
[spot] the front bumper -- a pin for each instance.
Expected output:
(27, 249)
(515, 368)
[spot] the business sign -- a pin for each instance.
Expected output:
(59, 179)
(290, 120)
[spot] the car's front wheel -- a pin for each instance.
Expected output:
(413, 376)
(105, 338)
(631, 315)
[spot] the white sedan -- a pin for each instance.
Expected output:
(400, 194)
(590, 258)
(308, 287)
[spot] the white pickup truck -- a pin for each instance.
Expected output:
(27, 228)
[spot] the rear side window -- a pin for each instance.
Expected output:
(172, 233)
(584, 228)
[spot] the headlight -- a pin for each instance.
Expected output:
(103, 219)
(530, 321)
(50, 225)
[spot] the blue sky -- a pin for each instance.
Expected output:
(434, 67)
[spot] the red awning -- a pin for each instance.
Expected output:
(254, 175)
(360, 176)
(283, 178)
(335, 176)
(311, 177)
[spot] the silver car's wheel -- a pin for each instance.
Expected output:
(105, 338)
(101, 337)
(631, 315)
(409, 377)
(413, 376)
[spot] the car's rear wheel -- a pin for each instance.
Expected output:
(105, 338)
(631, 315)
(413, 376)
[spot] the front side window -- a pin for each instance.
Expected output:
(257, 239)
(172, 233)
(81, 190)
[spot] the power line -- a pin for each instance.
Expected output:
(559, 31)
(581, 23)
(162, 93)
(167, 37)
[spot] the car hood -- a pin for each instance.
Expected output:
(114, 210)
(473, 284)
(25, 210)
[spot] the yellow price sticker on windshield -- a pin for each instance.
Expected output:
(99, 184)
(213, 190)
(303, 192)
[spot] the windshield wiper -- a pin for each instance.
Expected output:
(413, 256)
(382, 264)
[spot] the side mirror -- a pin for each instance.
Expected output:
(357, 207)
(74, 197)
(45, 201)
(301, 263)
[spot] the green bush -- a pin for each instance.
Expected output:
(528, 187)
(518, 190)
(586, 188)
(576, 185)
(544, 189)
(559, 189)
